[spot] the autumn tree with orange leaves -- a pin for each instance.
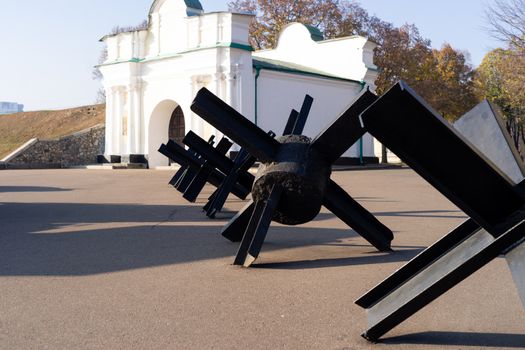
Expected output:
(443, 77)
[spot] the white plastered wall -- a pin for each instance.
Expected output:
(279, 93)
(348, 57)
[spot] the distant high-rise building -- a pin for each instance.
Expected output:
(10, 107)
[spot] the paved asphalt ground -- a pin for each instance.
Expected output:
(118, 260)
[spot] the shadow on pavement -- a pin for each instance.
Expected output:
(5, 189)
(371, 258)
(425, 214)
(68, 239)
(374, 199)
(497, 340)
(434, 214)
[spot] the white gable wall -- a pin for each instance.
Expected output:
(349, 57)
(280, 92)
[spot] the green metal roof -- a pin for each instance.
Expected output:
(194, 4)
(315, 33)
(288, 67)
(191, 4)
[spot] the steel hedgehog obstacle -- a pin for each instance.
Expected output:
(244, 160)
(197, 171)
(184, 175)
(492, 196)
(293, 180)
(203, 163)
(190, 181)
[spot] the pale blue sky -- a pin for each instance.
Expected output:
(50, 46)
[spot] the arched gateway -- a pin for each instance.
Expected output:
(152, 75)
(166, 122)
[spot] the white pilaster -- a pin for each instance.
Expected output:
(110, 117)
(218, 79)
(194, 119)
(230, 92)
(130, 108)
(237, 88)
(117, 120)
(136, 94)
(156, 21)
(236, 93)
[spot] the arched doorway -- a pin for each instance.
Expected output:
(177, 129)
(166, 122)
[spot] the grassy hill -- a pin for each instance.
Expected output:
(16, 129)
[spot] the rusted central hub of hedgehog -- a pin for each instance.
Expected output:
(302, 173)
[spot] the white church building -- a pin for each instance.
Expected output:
(151, 77)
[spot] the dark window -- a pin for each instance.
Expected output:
(177, 128)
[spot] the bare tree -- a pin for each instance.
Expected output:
(506, 19)
(501, 75)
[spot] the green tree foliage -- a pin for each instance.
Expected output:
(273, 15)
(501, 75)
(501, 79)
(450, 82)
(402, 54)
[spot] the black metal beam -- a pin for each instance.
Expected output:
(178, 175)
(257, 228)
(177, 153)
(417, 264)
(231, 123)
(241, 165)
(178, 179)
(405, 124)
(235, 228)
(354, 215)
(201, 177)
(292, 119)
(186, 179)
(300, 121)
(330, 142)
(503, 243)
(197, 184)
(216, 157)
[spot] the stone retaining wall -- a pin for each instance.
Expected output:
(80, 148)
